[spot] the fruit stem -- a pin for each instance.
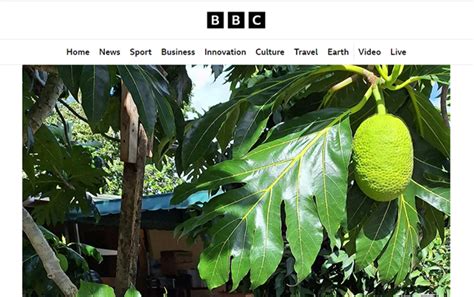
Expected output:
(406, 83)
(379, 100)
(340, 85)
(351, 68)
(396, 71)
(362, 102)
(382, 72)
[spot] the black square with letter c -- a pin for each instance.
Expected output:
(256, 19)
(215, 20)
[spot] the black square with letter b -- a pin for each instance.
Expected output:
(236, 20)
(215, 20)
(256, 19)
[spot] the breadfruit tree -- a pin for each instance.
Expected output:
(289, 175)
(60, 166)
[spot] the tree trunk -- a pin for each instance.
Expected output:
(47, 256)
(443, 103)
(40, 110)
(133, 151)
(130, 214)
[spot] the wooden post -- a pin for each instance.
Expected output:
(133, 151)
(129, 127)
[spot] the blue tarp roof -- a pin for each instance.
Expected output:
(151, 203)
(109, 205)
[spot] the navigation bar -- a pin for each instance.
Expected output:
(237, 52)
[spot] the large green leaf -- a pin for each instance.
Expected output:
(148, 89)
(71, 76)
(430, 166)
(88, 289)
(357, 206)
(431, 221)
(439, 73)
(375, 233)
(249, 128)
(160, 87)
(409, 217)
(204, 130)
(95, 88)
(431, 178)
(303, 163)
(263, 97)
(50, 152)
(64, 174)
(225, 133)
(430, 124)
(437, 197)
(269, 94)
(402, 243)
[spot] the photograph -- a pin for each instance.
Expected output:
(236, 180)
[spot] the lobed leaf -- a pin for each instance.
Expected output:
(303, 164)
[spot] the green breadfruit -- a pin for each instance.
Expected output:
(383, 156)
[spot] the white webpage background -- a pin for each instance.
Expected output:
(39, 33)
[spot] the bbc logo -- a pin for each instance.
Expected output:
(236, 20)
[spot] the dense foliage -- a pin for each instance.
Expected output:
(278, 155)
(76, 152)
(288, 174)
(72, 258)
(105, 150)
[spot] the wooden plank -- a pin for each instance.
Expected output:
(128, 128)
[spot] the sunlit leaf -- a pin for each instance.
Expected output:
(132, 292)
(400, 248)
(437, 197)
(204, 130)
(302, 163)
(88, 289)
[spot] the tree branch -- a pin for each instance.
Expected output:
(47, 256)
(66, 137)
(47, 68)
(85, 120)
(40, 110)
(110, 137)
(73, 111)
(45, 103)
(442, 102)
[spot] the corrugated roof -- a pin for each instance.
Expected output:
(109, 205)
